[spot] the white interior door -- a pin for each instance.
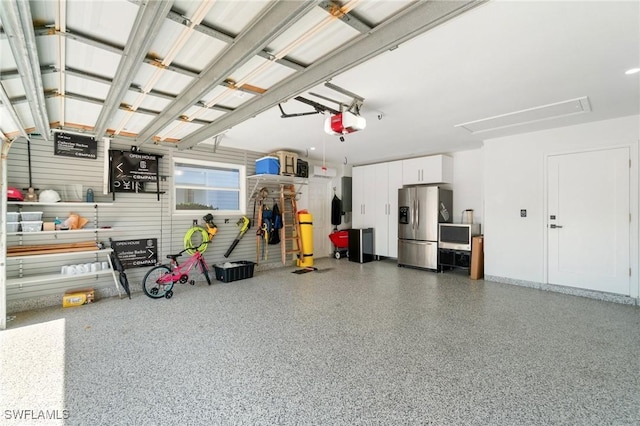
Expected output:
(588, 220)
(320, 196)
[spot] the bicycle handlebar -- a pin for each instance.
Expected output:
(195, 248)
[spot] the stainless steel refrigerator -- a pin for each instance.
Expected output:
(420, 210)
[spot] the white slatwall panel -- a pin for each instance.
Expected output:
(131, 216)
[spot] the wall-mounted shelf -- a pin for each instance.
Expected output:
(66, 232)
(275, 180)
(60, 204)
(34, 279)
(25, 262)
(69, 253)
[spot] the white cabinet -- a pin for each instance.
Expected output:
(427, 170)
(34, 259)
(388, 180)
(375, 203)
(363, 197)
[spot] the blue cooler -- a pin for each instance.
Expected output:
(267, 166)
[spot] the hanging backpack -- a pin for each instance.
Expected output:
(276, 225)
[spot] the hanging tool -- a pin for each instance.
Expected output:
(31, 191)
(244, 223)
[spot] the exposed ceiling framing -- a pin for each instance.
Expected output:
(292, 24)
(182, 72)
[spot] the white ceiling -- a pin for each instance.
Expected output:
(496, 58)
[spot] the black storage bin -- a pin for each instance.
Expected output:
(235, 273)
(303, 168)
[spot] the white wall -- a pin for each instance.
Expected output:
(514, 179)
(468, 184)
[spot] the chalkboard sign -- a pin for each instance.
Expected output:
(129, 171)
(136, 253)
(77, 146)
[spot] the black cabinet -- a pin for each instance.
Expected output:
(361, 245)
(454, 259)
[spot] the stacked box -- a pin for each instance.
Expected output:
(31, 216)
(267, 166)
(242, 270)
(288, 162)
(302, 169)
(31, 226)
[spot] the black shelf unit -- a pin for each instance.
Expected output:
(450, 259)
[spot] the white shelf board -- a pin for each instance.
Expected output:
(72, 231)
(275, 179)
(280, 179)
(60, 204)
(17, 282)
(68, 231)
(72, 253)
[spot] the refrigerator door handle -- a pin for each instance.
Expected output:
(413, 215)
(418, 214)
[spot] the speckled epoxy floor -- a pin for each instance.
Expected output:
(349, 344)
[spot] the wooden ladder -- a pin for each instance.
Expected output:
(291, 242)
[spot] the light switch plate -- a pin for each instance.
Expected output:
(523, 212)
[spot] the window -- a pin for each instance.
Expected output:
(203, 186)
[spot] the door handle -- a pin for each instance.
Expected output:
(413, 215)
(554, 226)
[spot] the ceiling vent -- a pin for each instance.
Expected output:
(531, 115)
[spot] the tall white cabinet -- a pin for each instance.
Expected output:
(388, 180)
(375, 203)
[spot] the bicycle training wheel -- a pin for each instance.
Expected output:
(195, 236)
(150, 284)
(205, 271)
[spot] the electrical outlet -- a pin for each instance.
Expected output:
(523, 212)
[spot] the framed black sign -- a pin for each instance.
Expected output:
(77, 146)
(136, 253)
(129, 170)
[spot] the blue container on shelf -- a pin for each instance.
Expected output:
(267, 166)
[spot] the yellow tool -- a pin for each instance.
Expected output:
(244, 223)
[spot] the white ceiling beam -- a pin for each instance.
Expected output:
(333, 8)
(229, 39)
(18, 24)
(6, 102)
(149, 20)
(277, 17)
(412, 21)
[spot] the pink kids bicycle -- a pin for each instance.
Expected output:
(159, 281)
